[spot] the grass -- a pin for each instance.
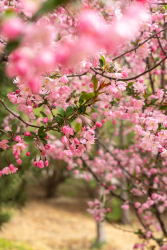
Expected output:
(12, 245)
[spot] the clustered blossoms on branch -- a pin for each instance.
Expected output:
(76, 67)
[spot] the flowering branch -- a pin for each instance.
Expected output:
(17, 116)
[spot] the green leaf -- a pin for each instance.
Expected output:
(5, 137)
(43, 114)
(59, 119)
(95, 82)
(101, 63)
(90, 95)
(95, 110)
(9, 133)
(82, 109)
(33, 134)
(130, 84)
(163, 108)
(61, 111)
(153, 100)
(28, 139)
(43, 135)
(48, 6)
(135, 173)
(146, 104)
(69, 121)
(103, 59)
(40, 105)
(44, 141)
(160, 126)
(40, 130)
(3, 94)
(14, 128)
(69, 111)
(78, 127)
(11, 46)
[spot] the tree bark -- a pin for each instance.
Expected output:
(125, 214)
(100, 225)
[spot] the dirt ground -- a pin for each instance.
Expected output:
(61, 224)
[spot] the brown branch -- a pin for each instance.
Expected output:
(150, 76)
(98, 180)
(119, 228)
(3, 58)
(161, 45)
(140, 44)
(130, 78)
(17, 116)
(159, 3)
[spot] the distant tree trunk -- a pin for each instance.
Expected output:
(100, 225)
(125, 214)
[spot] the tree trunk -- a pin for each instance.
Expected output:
(100, 225)
(125, 214)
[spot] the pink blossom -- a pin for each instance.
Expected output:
(12, 28)
(137, 204)
(18, 138)
(64, 79)
(19, 148)
(64, 140)
(9, 170)
(65, 153)
(12, 98)
(45, 120)
(126, 207)
(3, 144)
(19, 161)
(67, 130)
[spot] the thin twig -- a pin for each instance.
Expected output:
(130, 78)
(140, 44)
(17, 116)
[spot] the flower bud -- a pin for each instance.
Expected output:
(35, 163)
(40, 164)
(47, 147)
(46, 163)
(18, 138)
(98, 124)
(45, 120)
(27, 134)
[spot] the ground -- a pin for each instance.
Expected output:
(60, 224)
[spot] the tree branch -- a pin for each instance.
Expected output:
(17, 116)
(98, 180)
(140, 44)
(3, 58)
(130, 78)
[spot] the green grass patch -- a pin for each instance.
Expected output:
(13, 245)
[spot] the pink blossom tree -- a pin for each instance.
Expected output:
(79, 67)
